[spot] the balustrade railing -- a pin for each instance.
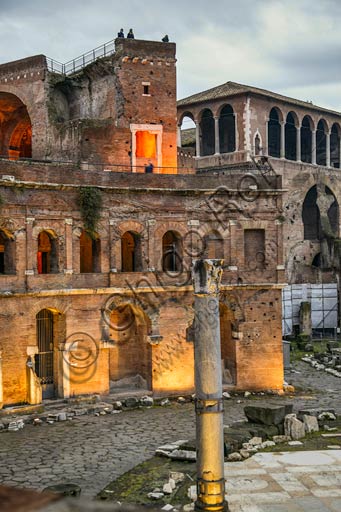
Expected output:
(74, 65)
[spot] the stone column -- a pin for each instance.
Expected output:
(298, 144)
(282, 150)
(197, 138)
(328, 149)
(1, 383)
(216, 136)
(206, 275)
(68, 247)
(30, 250)
(313, 147)
(340, 153)
(178, 133)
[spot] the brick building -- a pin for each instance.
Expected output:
(95, 254)
(235, 124)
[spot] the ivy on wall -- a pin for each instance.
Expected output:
(90, 205)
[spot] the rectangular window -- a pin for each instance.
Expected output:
(254, 249)
(146, 90)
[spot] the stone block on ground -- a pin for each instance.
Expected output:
(147, 401)
(293, 427)
(281, 439)
(131, 403)
(183, 455)
(310, 424)
(235, 457)
(267, 415)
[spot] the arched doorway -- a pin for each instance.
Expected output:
(335, 146)
(89, 253)
(44, 359)
(131, 356)
(7, 253)
(171, 252)
(207, 133)
(227, 130)
(131, 254)
(187, 132)
(47, 257)
(290, 137)
(228, 346)
(311, 215)
(15, 128)
(321, 143)
(306, 139)
(274, 133)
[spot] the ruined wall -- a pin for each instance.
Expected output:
(25, 79)
(44, 197)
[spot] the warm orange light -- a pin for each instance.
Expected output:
(145, 144)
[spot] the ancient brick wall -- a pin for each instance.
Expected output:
(44, 198)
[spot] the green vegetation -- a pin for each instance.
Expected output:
(90, 205)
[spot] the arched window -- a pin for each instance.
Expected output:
(214, 246)
(306, 140)
(227, 130)
(335, 146)
(47, 262)
(257, 145)
(321, 143)
(187, 132)
(7, 253)
(15, 127)
(274, 134)
(44, 357)
(313, 227)
(171, 252)
(290, 137)
(90, 253)
(207, 133)
(131, 252)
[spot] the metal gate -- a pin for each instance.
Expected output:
(44, 358)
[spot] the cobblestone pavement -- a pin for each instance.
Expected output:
(92, 451)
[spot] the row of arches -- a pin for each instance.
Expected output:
(90, 251)
(214, 134)
(305, 141)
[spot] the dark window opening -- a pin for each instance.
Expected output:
(7, 253)
(47, 254)
(274, 134)
(257, 145)
(146, 89)
(321, 144)
(227, 130)
(171, 252)
(207, 133)
(316, 261)
(90, 252)
(335, 147)
(306, 140)
(290, 137)
(131, 252)
(311, 215)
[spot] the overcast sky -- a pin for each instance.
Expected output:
(287, 46)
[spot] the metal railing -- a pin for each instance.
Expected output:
(74, 65)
